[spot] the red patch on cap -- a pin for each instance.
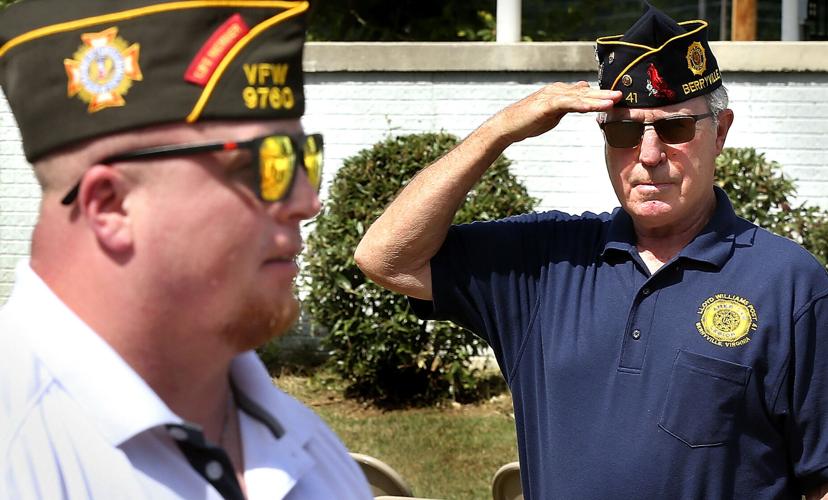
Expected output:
(660, 88)
(213, 51)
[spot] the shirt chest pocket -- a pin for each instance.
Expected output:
(704, 398)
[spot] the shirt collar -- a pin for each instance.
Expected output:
(251, 385)
(105, 387)
(276, 453)
(713, 245)
(261, 401)
(621, 234)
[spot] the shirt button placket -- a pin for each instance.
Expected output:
(633, 348)
(636, 334)
(177, 433)
(214, 470)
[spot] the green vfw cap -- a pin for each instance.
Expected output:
(79, 69)
(658, 61)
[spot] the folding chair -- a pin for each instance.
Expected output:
(506, 483)
(384, 480)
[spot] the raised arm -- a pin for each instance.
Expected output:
(397, 249)
(819, 493)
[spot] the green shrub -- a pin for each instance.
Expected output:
(761, 194)
(384, 352)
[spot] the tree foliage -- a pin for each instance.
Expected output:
(403, 20)
(384, 352)
(761, 194)
(474, 20)
(465, 20)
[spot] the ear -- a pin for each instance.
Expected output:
(102, 203)
(725, 121)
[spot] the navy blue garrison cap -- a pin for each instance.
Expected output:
(658, 61)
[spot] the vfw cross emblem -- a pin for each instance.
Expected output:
(103, 69)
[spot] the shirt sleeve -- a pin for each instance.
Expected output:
(806, 407)
(486, 276)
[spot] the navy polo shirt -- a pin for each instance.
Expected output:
(707, 379)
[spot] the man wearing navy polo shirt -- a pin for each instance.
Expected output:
(653, 352)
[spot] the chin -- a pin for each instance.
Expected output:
(651, 209)
(261, 322)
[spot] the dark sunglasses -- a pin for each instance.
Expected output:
(671, 130)
(278, 158)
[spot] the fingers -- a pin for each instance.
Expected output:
(543, 110)
(579, 97)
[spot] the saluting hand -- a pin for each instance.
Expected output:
(543, 110)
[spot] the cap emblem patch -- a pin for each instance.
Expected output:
(103, 69)
(727, 320)
(656, 85)
(626, 80)
(696, 59)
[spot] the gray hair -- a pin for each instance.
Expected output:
(717, 102)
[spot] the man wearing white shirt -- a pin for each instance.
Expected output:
(175, 173)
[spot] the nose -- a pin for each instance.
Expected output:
(651, 152)
(302, 202)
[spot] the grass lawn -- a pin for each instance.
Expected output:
(446, 453)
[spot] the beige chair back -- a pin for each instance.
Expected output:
(506, 483)
(384, 480)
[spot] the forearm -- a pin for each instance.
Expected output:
(398, 247)
(820, 493)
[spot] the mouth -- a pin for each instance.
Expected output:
(283, 259)
(280, 260)
(652, 185)
(287, 255)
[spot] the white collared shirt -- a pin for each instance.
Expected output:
(77, 422)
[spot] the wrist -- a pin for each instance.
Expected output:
(491, 134)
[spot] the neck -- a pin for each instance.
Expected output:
(198, 396)
(180, 357)
(664, 248)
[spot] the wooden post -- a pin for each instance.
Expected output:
(743, 24)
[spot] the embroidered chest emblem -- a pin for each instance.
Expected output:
(727, 320)
(103, 69)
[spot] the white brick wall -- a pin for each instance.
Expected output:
(784, 115)
(19, 199)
